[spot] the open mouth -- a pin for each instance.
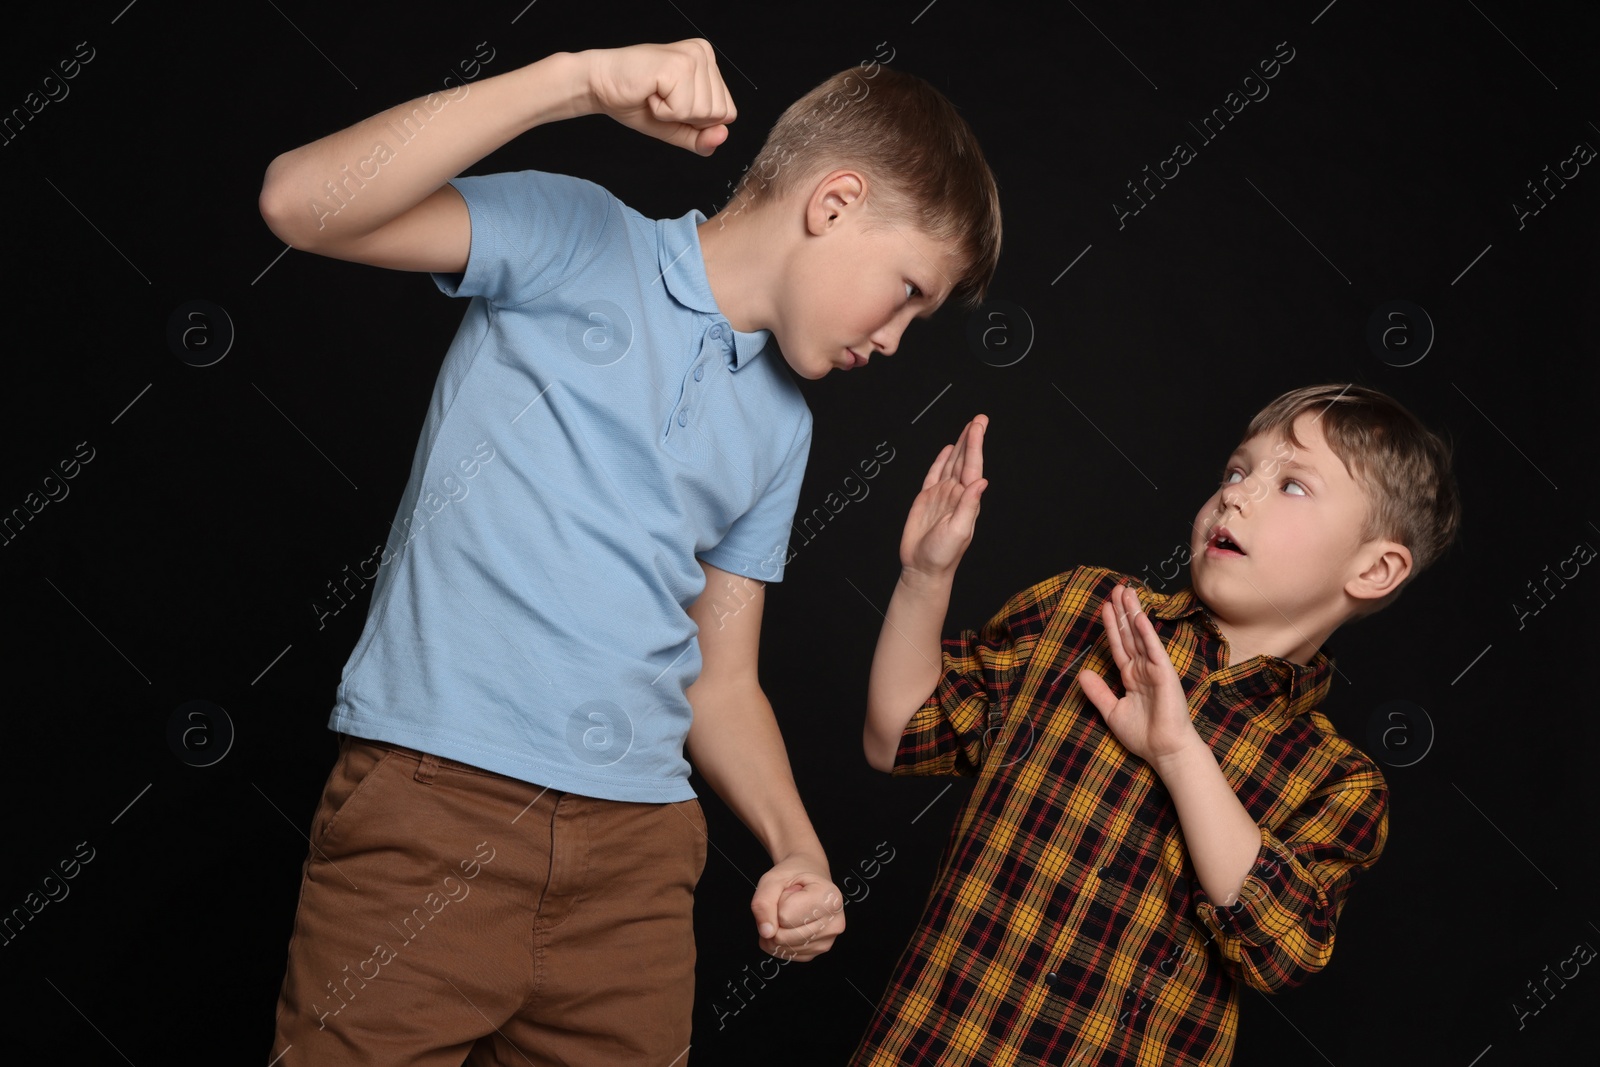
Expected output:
(1222, 542)
(856, 359)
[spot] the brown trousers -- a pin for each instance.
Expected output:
(449, 914)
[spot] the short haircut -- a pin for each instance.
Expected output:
(1403, 467)
(910, 141)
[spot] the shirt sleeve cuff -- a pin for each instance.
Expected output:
(938, 737)
(1272, 900)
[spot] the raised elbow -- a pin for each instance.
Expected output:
(273, 213)
(293, 220)
(276, 212)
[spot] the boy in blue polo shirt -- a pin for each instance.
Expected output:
(503, 861)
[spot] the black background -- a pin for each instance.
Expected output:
(1383, 166)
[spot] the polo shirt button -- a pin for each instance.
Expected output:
(683, 418)
(716, 331)
(1050, 979)
(699, 372)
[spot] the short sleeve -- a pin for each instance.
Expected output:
(951, 732)
(757, 544)
(529, 230)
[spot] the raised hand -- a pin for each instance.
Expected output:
(943, 516)
(672, 92)
(1152, 718)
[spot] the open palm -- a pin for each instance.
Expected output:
(1152, 717)
(943, 516)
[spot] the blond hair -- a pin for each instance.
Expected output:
(1403, 467)
(908, 138)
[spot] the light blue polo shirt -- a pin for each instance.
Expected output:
(596, 426)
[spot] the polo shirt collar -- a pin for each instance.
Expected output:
(683, 270)
(1306, 685)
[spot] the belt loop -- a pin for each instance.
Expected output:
(427, 767)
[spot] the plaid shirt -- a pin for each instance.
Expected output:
(1066, 924)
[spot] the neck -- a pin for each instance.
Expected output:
(1297, 643)
(738, 252)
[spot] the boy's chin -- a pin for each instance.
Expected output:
(812, 372)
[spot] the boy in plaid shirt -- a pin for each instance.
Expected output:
(1115, 876)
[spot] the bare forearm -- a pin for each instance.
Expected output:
(398, 157)
(737, 747)
(1222, 839)
(906, 663)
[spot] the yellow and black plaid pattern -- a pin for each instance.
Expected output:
(1065, 924)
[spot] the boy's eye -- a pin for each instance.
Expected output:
(1232, 476)
(912, 291)
(1301, 490)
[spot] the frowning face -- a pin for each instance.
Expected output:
(854, 287)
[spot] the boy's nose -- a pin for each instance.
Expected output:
(886, 340)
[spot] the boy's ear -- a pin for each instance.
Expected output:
(1388, 564)
(836, 191)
